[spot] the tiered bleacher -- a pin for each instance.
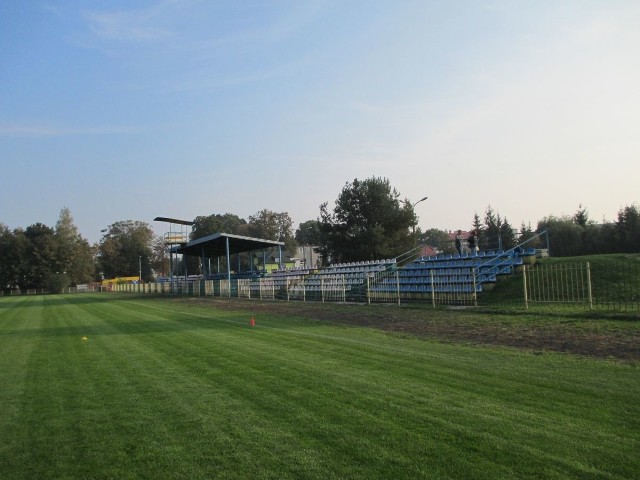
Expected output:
(286, 276)
(248, 275)
(347, 275)
(445, 277)
(464, 273)
(295, 272)
(335, 282)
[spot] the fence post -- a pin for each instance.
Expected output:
(398, 286)
(589, 286)
(368, 296)
(524, 282)
(433, 289)
(344, 289)
(475, 291)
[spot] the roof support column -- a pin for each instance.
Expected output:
(228, 261)
(186, 276)
(173, 287)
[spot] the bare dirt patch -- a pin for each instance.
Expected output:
(583, 335)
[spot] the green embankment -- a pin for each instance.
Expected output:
(615, 282)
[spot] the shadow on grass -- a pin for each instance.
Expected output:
(32, 301)
(144, 327)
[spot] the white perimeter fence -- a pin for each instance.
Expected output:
(385, 287)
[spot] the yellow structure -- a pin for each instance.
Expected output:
(117, 280)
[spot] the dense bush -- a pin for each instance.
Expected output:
(57, 282)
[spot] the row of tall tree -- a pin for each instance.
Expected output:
(564, 236)
(579, 235)
(369, 220)
(43, 257)
(264, 224)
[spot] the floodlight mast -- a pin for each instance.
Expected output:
(421, 200)
(171, 239)
(413, 205)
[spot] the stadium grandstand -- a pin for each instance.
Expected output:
(438, 278)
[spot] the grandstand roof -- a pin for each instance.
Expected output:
(216, 245)
(173, 220)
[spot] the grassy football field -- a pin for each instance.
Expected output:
(111, 386)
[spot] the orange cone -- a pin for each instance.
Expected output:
(252, 322)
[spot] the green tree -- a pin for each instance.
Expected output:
(527, 233)
(581, 217)
(438, 239)
(58, 282)
(20, 264)
(73, 254)
(478, 229)
(507, 239)
(601, 238)
(272, 226)
(6, 260)
(565, 236)
(159, 259)
(308, 233)
(490, 233)
(41, 251)
(124, 248)
(496, 233)
(216, 223)
(308, 237)
(628, 229)
(369, 221)
(12, 257)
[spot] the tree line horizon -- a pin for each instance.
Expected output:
(369, 220)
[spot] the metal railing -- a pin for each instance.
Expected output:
(568, 283)
(571, 284)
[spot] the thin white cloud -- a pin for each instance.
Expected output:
(53, 9)
(166, 20)
(281, 27)
(195, 49)
(132, 25)
(19, 130)
(212, 79)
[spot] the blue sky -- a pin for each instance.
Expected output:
(133, 109)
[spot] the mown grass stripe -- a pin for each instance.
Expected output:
(159, 392)
(369, 359)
